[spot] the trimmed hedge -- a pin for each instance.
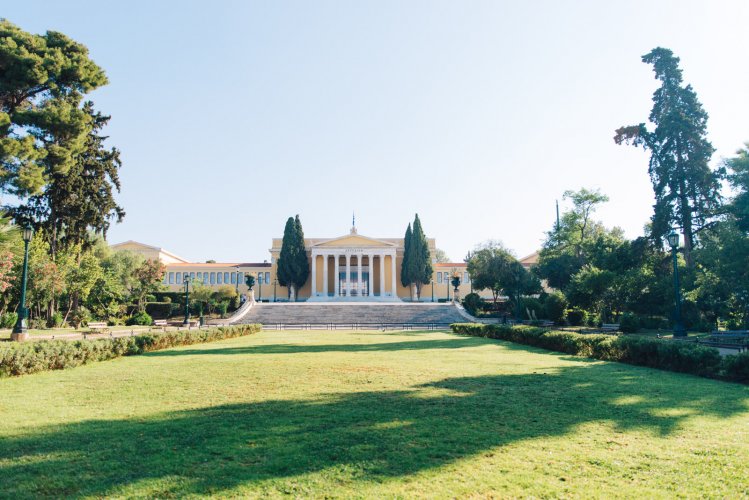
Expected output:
(684, 357)
(31, 357)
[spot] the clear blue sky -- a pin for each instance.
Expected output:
(232, 116)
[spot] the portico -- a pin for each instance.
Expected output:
(353, 267)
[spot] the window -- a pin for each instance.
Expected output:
(192, 276)
(240, 278)
(439, 278)
(259, 278)
(447, 277)
(179, 278)
(219, 278)
(171, 278)
(233, 278)
(213, 278)
(267, 277)
(465, 277)
(226, 278)
(200, 276)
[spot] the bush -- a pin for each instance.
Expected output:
(472, 302)
(555, 305)
(37, 324)
(56, 320)
(629, 323)
(672, 355)
(31, 357)
(576, 316)
(532, 307)
(159, 310)
(140, 318)
(222, 307)
(79, 317)
(8, 320)
(653, 322)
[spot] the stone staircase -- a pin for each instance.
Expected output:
(351, 313)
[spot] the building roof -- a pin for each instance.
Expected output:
(450, 264)
(150, 247)
(221, 264)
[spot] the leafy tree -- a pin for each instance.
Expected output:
(687, 191)
(293, 266)
(738, 176)
(440, 256)
(148, 277)
(80, 279)
(493, 267)
(79, 202)
(42, 128)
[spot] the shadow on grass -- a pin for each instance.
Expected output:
(365, 435)
(450, 343)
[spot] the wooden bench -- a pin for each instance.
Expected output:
(98, 327)
(160, 323)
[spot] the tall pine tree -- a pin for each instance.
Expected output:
(421, 264)
(405, 263)
(686, 189)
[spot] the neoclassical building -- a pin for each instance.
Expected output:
(351, 267)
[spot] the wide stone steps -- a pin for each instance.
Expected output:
(300, 313)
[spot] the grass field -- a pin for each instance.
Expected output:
(351, 414)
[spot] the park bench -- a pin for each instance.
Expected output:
(160, 323)
(609, 327)
(98, 327)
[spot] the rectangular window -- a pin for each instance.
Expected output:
(192, 276)
(267, 277)
(226, 278)
(465, 277)
(447, 277)
(240, 278)
(200, 276)
(233, 278)
(439, 278)
(219, 278)
(171, 278)
(259, 278)
(179, 278)
(213, 278)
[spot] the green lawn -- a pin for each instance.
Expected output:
(347, 414)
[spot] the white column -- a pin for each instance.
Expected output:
(358, 274)
(336, 271)
(392, 265)
(382, 274)
(371, 275)
(325, 275)
(348, 275)
(313, 287)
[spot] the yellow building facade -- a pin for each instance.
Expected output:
(351, 267)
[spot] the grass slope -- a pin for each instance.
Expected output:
(353, 414)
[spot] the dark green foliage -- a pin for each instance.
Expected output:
(555, 305)
(416, 267)
(738, 176)
(629, 323)
(576, 316)
(407, 257)
(223, 308)
(32, 357)
(494, 268)
(687, 191)
(472, 303)
(159, 310)
(293, 266)
(532, 308)
(140, 318)
(56, 320)
(8, 320)
(677, 356)
(80, 316)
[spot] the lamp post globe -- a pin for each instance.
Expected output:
(186, 280)
(673, 241)
(20, 331)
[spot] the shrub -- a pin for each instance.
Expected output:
(576, 316)
(472, 302)
(672, 355)
(554, 306)
(79, 317)
(629, 323)
(159, 310)
(56, 320)
(30, 357)
(8, 320)
(222, 307)
(37, 324)
(140, 318)
(532, 306)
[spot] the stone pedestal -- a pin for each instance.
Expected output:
(19, 337)
(456, 296)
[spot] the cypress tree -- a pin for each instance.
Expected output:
(421, 262)
(405, 269)
(301, 266)
(293, 267)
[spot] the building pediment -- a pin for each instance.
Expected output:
(354, 240)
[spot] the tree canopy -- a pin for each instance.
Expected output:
(416, 267)
(293, 266)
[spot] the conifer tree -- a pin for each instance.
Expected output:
(405, 263)
(292, 268)
(687, 191)
(421, 262)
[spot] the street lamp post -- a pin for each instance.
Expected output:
(679, 330)
(447, 286)
(275, 281)
(260, 286)
(236, 276)
(432, 289)
(20, 331)
(186, 279)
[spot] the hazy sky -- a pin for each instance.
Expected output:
(232, 116)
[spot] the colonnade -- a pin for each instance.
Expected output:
(347, 289)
